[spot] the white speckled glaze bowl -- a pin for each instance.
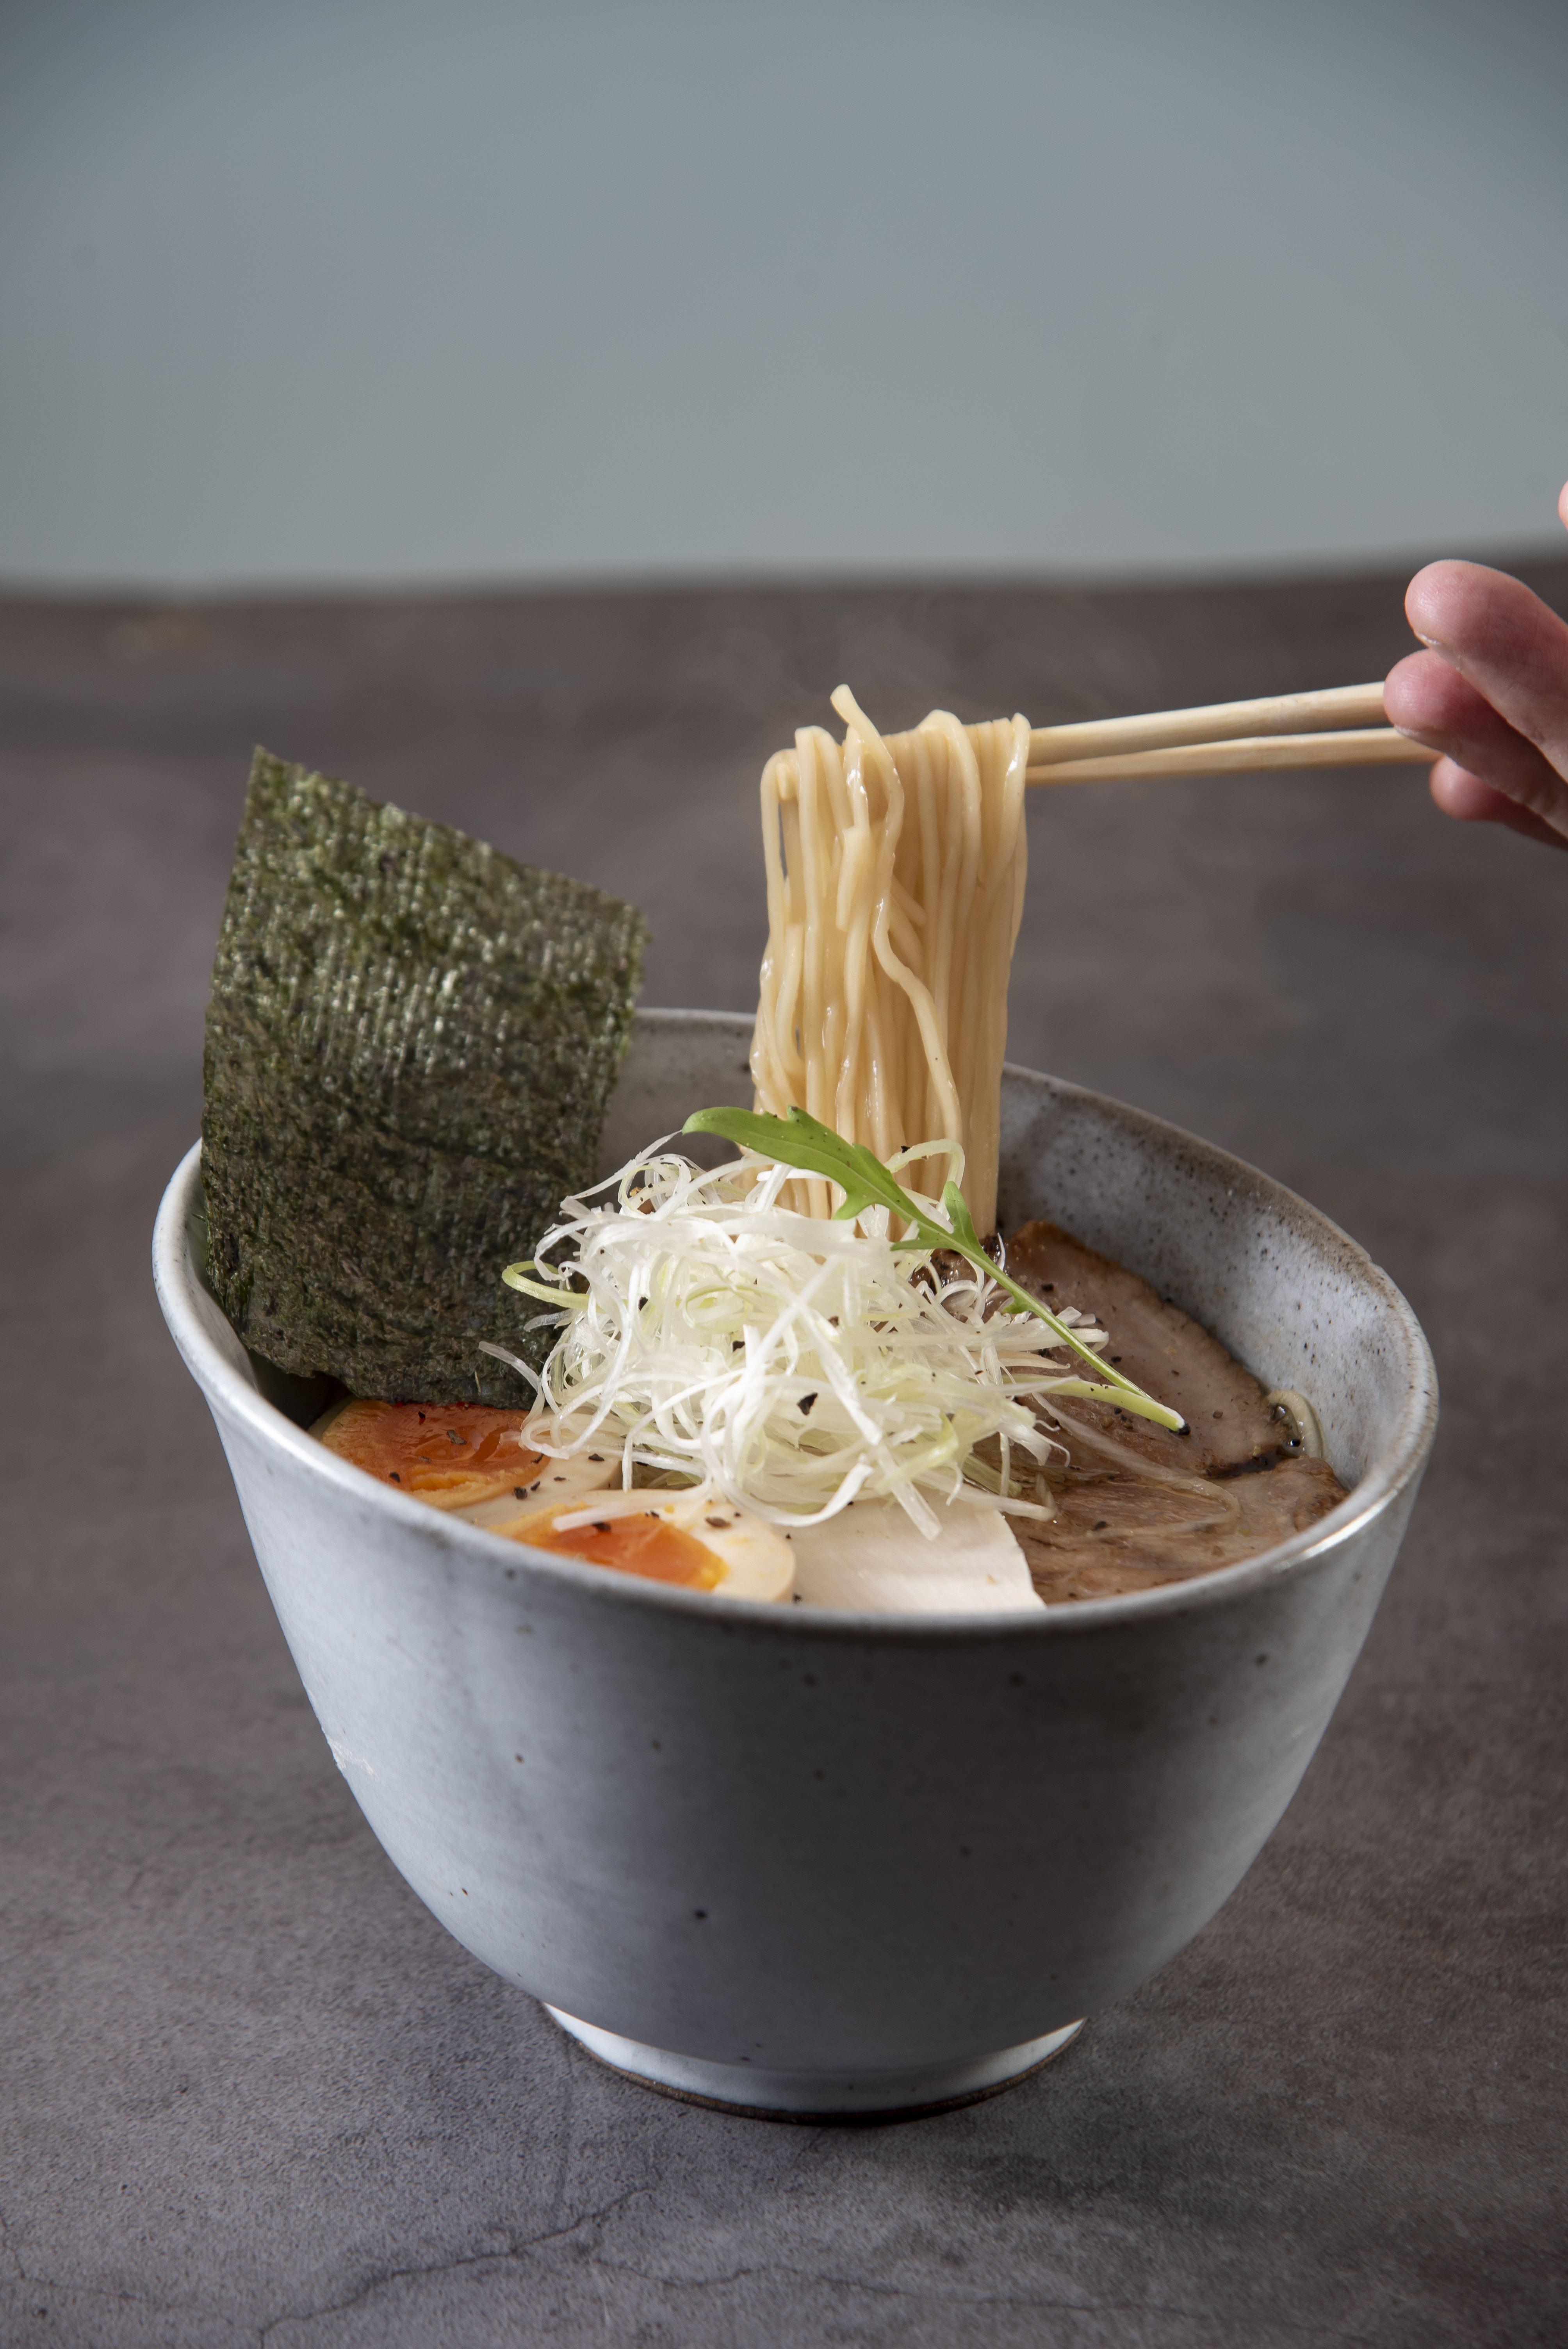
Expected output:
(811, 1863)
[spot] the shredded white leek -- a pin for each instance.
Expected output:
(789, 1362)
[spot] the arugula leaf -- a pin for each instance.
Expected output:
(804, 1142)
(814, 1149)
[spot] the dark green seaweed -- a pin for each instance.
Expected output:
(411, 1043)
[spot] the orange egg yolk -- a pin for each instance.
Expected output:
(648, 1546)
(451, 1454)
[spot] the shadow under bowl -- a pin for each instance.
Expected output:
(809, 1863)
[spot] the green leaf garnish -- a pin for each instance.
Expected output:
(805, 1144)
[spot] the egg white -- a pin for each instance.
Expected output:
(752, 1559)
(550, 1483)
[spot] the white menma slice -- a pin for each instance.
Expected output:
(741, 1557)
(872, 1558)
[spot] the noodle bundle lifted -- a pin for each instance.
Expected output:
(411, 1043)
(895, 887)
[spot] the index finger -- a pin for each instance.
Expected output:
(1505, 640)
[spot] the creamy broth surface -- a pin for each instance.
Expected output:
(1121, 1523)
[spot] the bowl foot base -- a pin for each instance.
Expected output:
(817, 2095)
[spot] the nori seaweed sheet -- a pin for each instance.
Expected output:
(411, 1043)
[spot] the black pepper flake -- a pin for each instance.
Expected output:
(718, 1524)
(395, 1477)
(517, 1493)
(805, 1404)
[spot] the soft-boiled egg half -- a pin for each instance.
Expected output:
(687, 1537)
(470, 1461)
(871, 1558)
(464, 1458)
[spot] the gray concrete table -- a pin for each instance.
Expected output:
(252, 2094)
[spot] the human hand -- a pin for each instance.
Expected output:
(1492, 694)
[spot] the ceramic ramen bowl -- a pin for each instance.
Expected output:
(804, 1862)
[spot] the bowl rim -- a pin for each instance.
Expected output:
(1400, 1464)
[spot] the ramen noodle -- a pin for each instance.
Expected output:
(895, 887)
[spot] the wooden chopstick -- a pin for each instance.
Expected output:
(1336, 707)
(1339, 727)
(1370, 746)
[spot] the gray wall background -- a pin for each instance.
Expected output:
(318, 293)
